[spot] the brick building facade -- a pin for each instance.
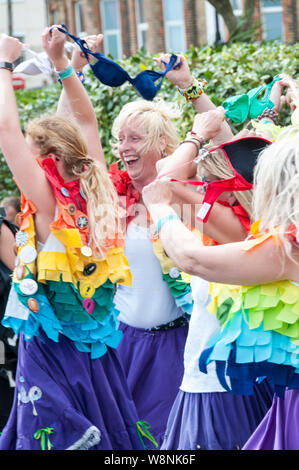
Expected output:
(167, 25)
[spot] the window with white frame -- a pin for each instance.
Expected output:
(111, 28)
(142, 25)
(272, 19)
(174, 25)
(79, 18)
(55, 17)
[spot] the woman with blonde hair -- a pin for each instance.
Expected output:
(71, 392)
(153, 309)
(204, 415)
(257, 300)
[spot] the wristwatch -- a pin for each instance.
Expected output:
(6, 65)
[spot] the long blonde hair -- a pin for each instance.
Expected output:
(155, 117)
(61, 137)
(276, 190)
(217, 165)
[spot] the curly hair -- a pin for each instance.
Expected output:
(62, 137)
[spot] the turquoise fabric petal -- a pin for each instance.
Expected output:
(185, 302)
(98, 350)
(262, 353)
(220, 352)
(244, 355)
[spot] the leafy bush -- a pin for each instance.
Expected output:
(229, 69)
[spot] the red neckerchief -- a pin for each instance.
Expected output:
(128, 195)
(57, 182)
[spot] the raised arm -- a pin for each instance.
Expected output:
(183, 79)
(74, 99)
(206, 125)
(228, 263)
(19, 156)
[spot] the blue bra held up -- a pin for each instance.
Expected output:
(112, 74)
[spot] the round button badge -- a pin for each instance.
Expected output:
(174, 273)
(86, 250)
(33, 305)
(89, 269)
(20, 272)
(72, 209)
(28, 286)
(65, 192)
(82, 221)
(22, 238)
(87, 290)
(28, 254)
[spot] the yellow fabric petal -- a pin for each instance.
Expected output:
(166, 263)
(69, 237)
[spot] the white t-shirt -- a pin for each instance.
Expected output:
(203, 325)
(148, 302)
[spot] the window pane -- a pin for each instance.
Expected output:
(273, 26)
(173, 10)
(271, 3)
(110, 14)
(140, 7)
(79, 17)
(112, 45)
(176, 38)
(236, 4)
(144, 38)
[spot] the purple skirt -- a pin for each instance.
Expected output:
(154, 367)
(279, 429)
(66, 400)
(215, 421)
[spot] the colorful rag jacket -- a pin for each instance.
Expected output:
(178, 281)
(60, 287)
(259, 335)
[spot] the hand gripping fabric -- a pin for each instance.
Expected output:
(112, 74)
(239, 107)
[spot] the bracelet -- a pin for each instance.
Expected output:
(194, 142)
(62, 74)
(164, 220)
(194, 90)
(197, 137)
(269, 113)
(80, 75)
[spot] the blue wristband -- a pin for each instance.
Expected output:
(165, 219)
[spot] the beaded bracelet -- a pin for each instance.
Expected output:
(197, 137)
(194, 90)
(269, 113)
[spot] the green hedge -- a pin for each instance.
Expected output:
(229, 69)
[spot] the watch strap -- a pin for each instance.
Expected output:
(6, 65)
